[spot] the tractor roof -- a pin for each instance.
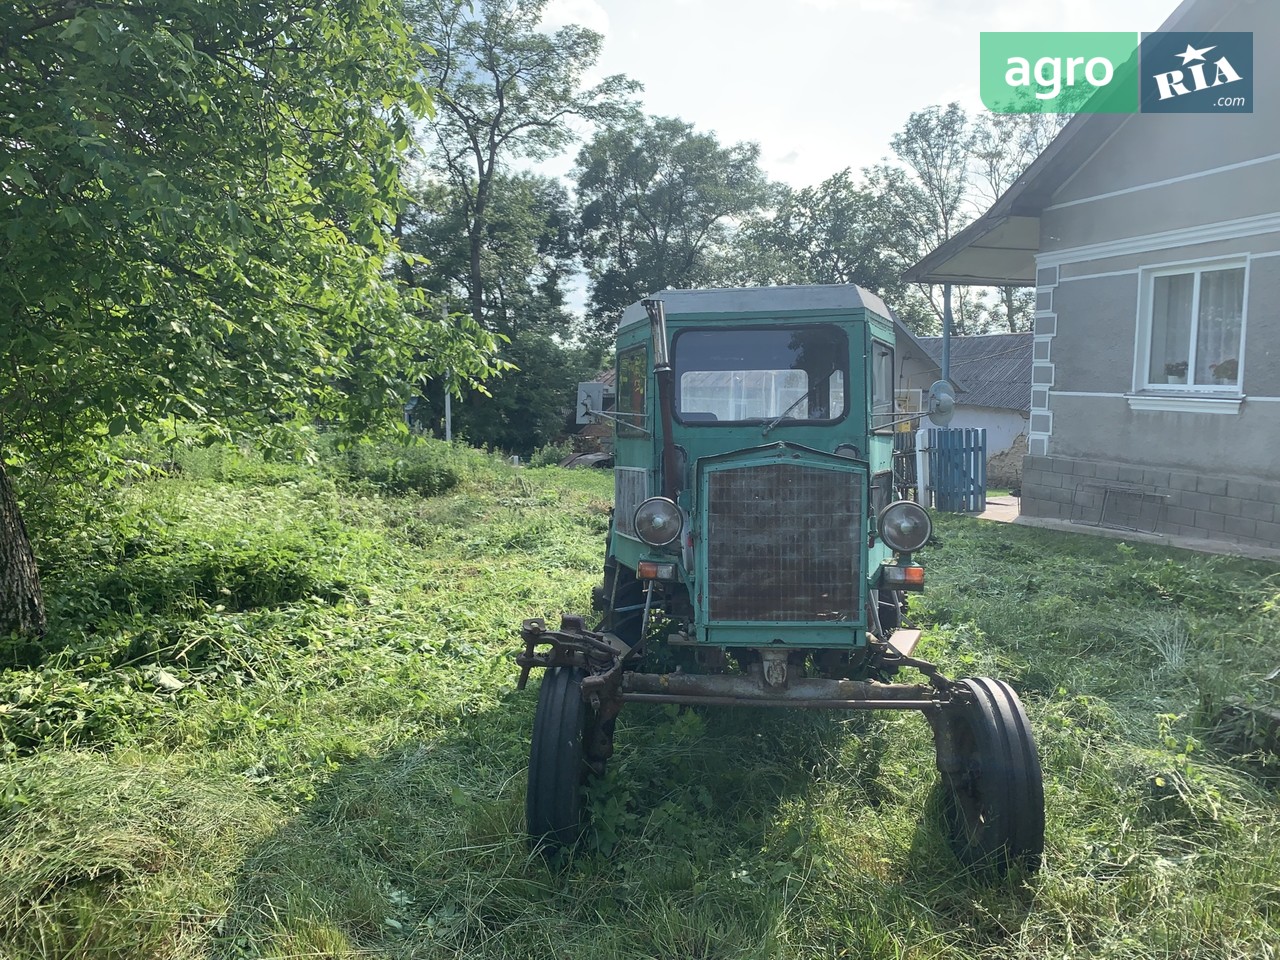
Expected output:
(738, 301)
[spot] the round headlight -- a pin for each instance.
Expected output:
(658, 521)
(905, 526)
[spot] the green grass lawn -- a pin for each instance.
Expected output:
(276, 717)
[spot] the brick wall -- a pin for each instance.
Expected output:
(1165, 501)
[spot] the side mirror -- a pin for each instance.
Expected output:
(942, 403)
(590, 401)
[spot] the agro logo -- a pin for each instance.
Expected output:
(1197, 73)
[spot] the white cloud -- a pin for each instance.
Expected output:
(585, 13)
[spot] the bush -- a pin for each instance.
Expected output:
(550, 454)
(421, 466)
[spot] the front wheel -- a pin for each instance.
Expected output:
(568, 742)
(992, 784)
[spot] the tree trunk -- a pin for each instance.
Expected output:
(21, 603)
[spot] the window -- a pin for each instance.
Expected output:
(633, 378)
(882, 406)
(737, 375)
(1195, 329)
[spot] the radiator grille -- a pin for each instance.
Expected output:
(783, 543)
(630, 489)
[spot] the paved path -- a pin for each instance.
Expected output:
(1002, 509)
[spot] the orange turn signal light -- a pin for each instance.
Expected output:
(902, 578)
(649, 570)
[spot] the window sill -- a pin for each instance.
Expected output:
(1184, 403)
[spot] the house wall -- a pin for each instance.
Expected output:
(1198, 467)
(1004, 427)
(916, 371)
(1163, 191)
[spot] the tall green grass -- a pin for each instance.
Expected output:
(276, 717)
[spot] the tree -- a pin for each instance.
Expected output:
(527, 253)
(197, 197)
(952, 168)
(1003, 146)
(527, 250)
(836, 232)
(506, 91)
(655, 202)
(930, 192)
(935, 144)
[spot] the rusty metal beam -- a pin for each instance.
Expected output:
(750, 687)
(795, 703)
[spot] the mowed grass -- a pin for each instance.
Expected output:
(276, 716)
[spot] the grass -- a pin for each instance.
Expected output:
(341, 771)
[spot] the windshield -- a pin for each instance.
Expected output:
(794, 374)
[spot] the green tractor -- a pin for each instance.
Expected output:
(754, 516)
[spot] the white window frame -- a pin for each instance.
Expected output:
(1142, 353)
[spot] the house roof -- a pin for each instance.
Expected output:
(995, 368)
(999, 248)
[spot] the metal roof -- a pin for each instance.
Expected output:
(760, 300)
(994, 368)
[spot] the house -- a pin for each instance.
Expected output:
(1153, 243)
(992, 375)
(597, 435)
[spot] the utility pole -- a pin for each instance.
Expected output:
(448, 385)
(946, 332)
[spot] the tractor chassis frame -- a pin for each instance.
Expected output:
(608, 684)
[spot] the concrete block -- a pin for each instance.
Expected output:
(1214, 486)
(1156, 478)
(1131, 474)
(1106, 471)
(1269, 492)
(1063, 465)
(1084, 468)
(1197, 502)
(1241, 527)
(1183, 481)
(1227, 506)
(1268, 532)
(1257, 510)
(1035, 506)
(1208, 520)
(1180, 516)
(1242, 489)
(1032, 462)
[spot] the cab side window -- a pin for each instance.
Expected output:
(633, 381)
(881, 386)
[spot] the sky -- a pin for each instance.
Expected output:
(820, 85)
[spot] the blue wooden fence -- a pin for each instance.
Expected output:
(958, 470)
